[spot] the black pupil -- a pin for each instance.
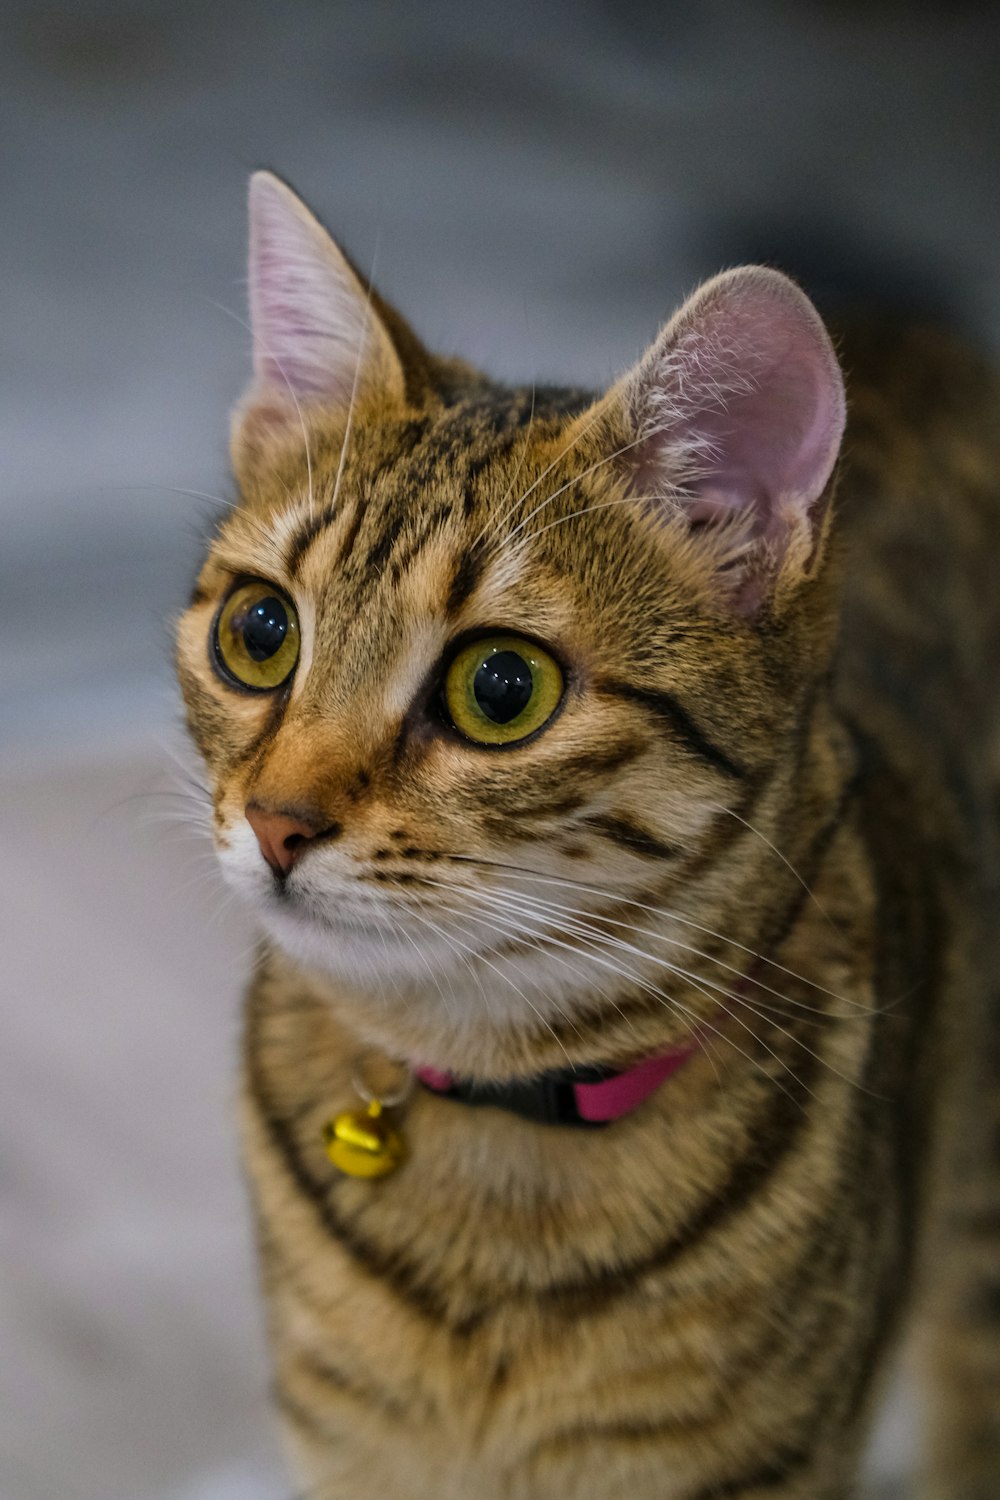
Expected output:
(503, 686)
(263, 627)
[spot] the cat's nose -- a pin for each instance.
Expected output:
(283, 836)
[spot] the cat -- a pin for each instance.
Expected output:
(620, 810)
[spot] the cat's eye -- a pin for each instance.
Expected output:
(501, 688)
(257, 636)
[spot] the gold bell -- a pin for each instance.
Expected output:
(364, 1142)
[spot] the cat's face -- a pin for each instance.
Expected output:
(476, 673)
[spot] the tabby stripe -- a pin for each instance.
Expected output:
(630, 835)
(528, 815)
(310, 1367)
(794, 767)
(381, 549)
(465, 578)
(813, 862)
(822, 1259)
(275, 713)
(351, 535)
(293, 1411)
(391, 1267)
(770, 1476)
(431, 525)
(207, 718)
(209, 721)
(727, 828)
(666, 708)
(771, 1141)
(764, 1477)
(409, 438)
(505, 430)
(304, 538)
(909, 1131)
(593, 763)
(812, 1423)
(549, 795)
(858, 1366)
(907, 923)
(587, 767)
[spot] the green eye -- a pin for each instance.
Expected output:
(257, 636)
(501, 688)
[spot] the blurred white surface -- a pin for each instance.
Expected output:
(132, 1357)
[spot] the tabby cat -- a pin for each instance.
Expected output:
(621, 814)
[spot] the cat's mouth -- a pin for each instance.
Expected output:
(363, 940)
(378, 924)
(352, 913)
(337, 912)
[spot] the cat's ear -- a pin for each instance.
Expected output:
(318, 339)
(734, 419)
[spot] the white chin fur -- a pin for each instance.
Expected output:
(367, 955)
(345, 935)
(327, 924)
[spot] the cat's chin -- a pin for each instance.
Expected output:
(339, 934)
(362, 948)
(415, 963)
(342, 945)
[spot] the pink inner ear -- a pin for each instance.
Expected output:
(309, 312)
(749, 389)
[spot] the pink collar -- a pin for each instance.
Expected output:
(568, 1096)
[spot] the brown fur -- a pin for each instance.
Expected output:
(696, 1303)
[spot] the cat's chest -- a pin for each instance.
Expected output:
(412, 1404)
(553, 1311)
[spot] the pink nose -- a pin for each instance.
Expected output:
(282, 836)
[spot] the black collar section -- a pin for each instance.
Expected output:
(547, 1099)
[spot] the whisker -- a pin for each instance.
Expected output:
(502, 519)
(556, 909)
(824, 1061)
(399, 928)
(737, 999)
(518, 467)
(586, 511)
(481, 958)
(864, 1010)
(175, 489)
(513, 903)
(467, 961)
(540, 947)
(592, 468)
(527, 872)
(699, 1021)
(697, 1024)
(731, 812)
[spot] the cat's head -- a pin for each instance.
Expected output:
(478, 673)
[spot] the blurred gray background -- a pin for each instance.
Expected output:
(536, 185)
